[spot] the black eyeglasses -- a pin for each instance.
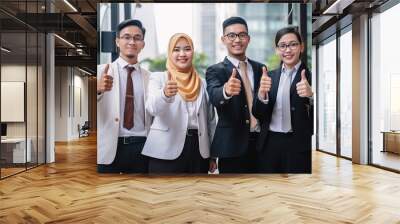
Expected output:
(291, 46)
(135, 38)
(232, 36)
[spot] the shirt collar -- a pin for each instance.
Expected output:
(235, 61)
(122, 63)
(296, 67)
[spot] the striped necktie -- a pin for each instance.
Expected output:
(129, 107)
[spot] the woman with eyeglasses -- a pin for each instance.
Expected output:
(184, 122)
(284, 108)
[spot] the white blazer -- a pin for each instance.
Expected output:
(168, 132)
(108, 114)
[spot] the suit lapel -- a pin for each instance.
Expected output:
(145, 81)
(276, 76)
(114, 72)
(257, 72)
(146, 77)
(296, 79)
(229, 67)
(200, 97)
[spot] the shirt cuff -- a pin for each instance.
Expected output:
(223, 92)
(264, 101)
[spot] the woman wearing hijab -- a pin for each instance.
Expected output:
(183, 126)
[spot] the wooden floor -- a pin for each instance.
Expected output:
(387, 159)
(71, 191)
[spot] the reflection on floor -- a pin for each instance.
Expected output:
(10, 169)
(386, 159)
(71, 191)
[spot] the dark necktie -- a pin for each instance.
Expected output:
(128, 112)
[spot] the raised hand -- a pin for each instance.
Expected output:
(265, 84)
(233, 86)
(303, 87)
(106, 81)
(171, 87)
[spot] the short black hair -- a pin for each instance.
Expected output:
(130, 22)
(286, 30)
(234, 20)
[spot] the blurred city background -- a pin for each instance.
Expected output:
(203, 22)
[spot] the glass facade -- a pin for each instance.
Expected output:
(334, 104)
(22, 64)
(327, 96)
(385, 89)
(264, 20)
(346, 94)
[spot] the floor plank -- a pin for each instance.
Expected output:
(71, 191)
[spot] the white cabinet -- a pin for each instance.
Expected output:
(17, 146)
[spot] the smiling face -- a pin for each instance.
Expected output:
(182, 55)
(236, 47)
(130, 42)
(289, 49)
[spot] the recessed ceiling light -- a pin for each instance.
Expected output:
(84, 71)
(64, 40)
(5, 50)
(70, 5)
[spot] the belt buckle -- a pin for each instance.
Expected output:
(125, 141)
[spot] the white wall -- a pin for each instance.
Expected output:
(16, 73)
(33, 126)
(71, 93)
(61, 103)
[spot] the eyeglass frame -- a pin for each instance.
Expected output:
(292, 46)
(135, 38)
(237, 35)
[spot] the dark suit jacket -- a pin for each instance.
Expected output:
(301, 111)
(233, 127)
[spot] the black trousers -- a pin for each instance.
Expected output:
(285, 153)
(189, 161)
(246, 163)
(129, 158)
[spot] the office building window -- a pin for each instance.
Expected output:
(327, 96)
(22, 77)
(385, 89)
(346, 93)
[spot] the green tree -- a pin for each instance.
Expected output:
(200, 63)
(273, 62)
(156, 64)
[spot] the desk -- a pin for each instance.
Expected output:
(15, 148)
(391, 141)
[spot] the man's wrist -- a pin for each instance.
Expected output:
(226, 95)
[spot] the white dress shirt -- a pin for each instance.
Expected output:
(276, 119)
(138, 101)
(191, 111)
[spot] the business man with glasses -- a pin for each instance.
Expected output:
(231, 85)
(123, 122)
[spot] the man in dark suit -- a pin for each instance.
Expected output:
(285, 110)
(230, 85)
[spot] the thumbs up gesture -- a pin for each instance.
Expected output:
(265, 83)
(171, 87)
(303, 87)
(106, 81)
(232, 87)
